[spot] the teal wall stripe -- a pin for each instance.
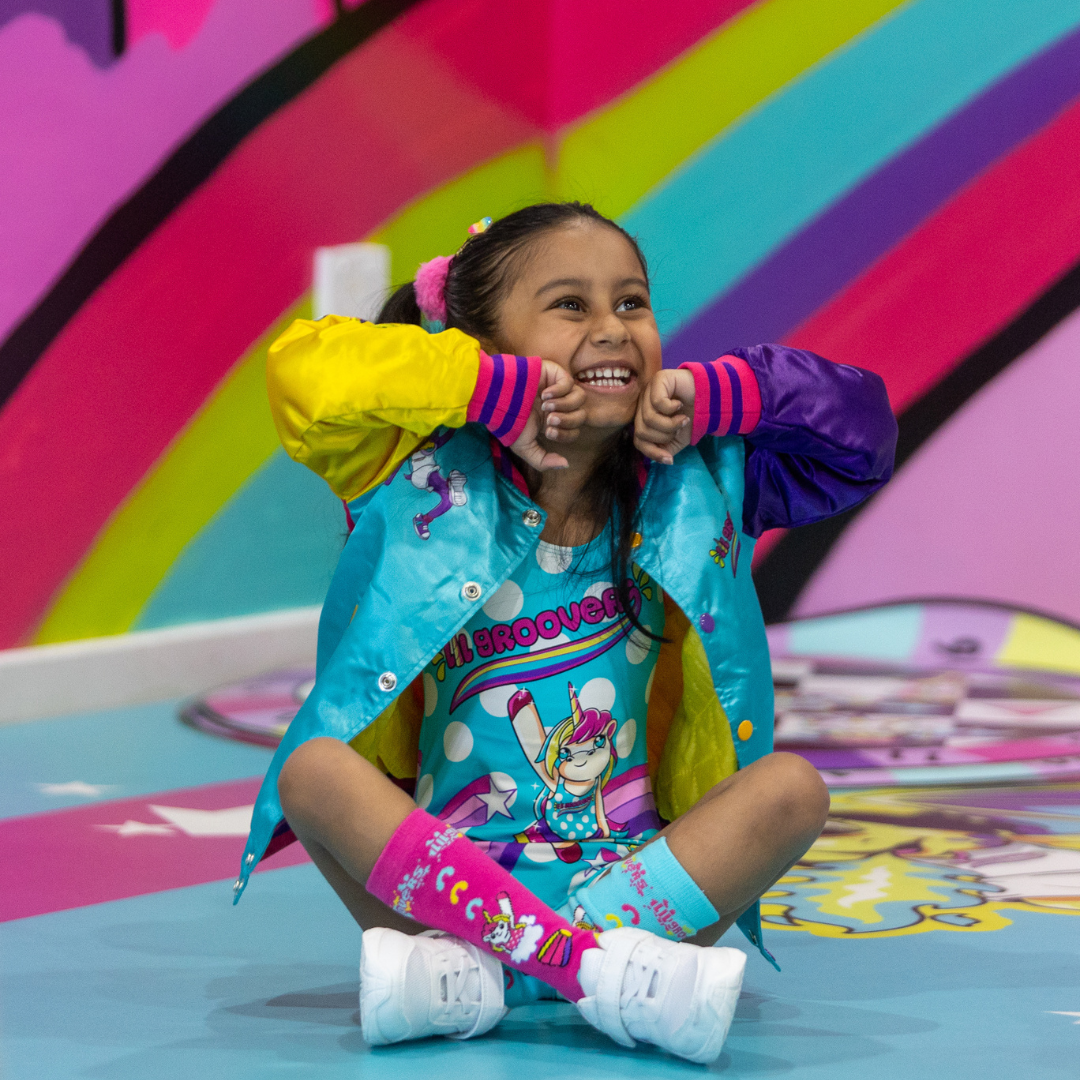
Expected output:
(273, 545)
(711, 221)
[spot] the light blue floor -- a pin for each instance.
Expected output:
(182, 986)
(129, 752)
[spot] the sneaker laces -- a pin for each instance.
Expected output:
(640, 982)
(452, 984)
(466, 991)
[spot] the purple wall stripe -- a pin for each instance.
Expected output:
(844, 241)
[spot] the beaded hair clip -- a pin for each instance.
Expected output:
(430, 284)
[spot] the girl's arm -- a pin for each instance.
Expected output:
(352, 400)
(821, 436)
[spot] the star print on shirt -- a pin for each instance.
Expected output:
(496, 800)
(598, 862)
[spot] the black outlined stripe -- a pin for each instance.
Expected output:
(119, 27)
(788, 567)
(189, 165)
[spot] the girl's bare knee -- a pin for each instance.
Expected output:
(802, 795)
(303, 772)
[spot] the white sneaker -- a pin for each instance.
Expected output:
(680, 997)
(456, 482)
(414, 986)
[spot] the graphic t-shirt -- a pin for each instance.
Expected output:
(533, 740)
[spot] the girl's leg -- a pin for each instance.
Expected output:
(747, 832)
(373, 844)
(720, 856)
(362, 829)
(343, 810)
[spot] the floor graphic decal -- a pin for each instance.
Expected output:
(894, 861)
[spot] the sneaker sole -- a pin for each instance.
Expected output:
(719, 982)
(380, 951)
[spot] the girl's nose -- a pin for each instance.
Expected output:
(609, 330)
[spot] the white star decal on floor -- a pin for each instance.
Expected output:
(1053, 1012)
(74, 787)
(233, 821)
(496, 800)
(138, 828)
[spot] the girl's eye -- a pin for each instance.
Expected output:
(598, 741)
(569, 303)
(633, 303)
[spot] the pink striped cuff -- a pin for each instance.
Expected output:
(505, 392)
(727, 400)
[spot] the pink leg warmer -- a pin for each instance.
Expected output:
(434, 874)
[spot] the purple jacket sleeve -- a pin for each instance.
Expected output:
(825, 441)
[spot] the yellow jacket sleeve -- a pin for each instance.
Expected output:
(351, 400)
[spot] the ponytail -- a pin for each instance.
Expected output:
(401, 307)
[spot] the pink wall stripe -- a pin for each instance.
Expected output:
(965, 273)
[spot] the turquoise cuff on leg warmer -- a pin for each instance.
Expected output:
(650, 890)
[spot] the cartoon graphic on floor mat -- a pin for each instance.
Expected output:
(426, 475)
(902, 862)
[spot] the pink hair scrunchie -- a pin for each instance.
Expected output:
(430, 287)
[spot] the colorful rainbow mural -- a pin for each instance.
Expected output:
(891, 184)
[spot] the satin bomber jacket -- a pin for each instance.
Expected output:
(780, 437)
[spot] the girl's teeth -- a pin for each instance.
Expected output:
(606, 376)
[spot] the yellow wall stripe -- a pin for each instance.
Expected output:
(204, 466)
(613, 158)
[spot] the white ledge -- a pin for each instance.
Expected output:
(149, 665)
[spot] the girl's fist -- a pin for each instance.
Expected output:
(663, 424)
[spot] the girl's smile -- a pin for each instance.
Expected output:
(618, 377)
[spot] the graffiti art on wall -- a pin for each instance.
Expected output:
(846, 164)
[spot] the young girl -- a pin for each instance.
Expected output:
(547, 619)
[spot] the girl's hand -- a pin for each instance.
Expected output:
(558, 412)
(663, 424)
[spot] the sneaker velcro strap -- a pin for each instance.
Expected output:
(617, 946)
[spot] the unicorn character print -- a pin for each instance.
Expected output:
(574, 760)
(426, 475)
(506, 933)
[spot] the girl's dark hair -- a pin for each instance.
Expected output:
(480, 277)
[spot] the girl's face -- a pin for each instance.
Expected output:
(584, 761)
(582, 301)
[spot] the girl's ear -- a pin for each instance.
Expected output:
(609, 729)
